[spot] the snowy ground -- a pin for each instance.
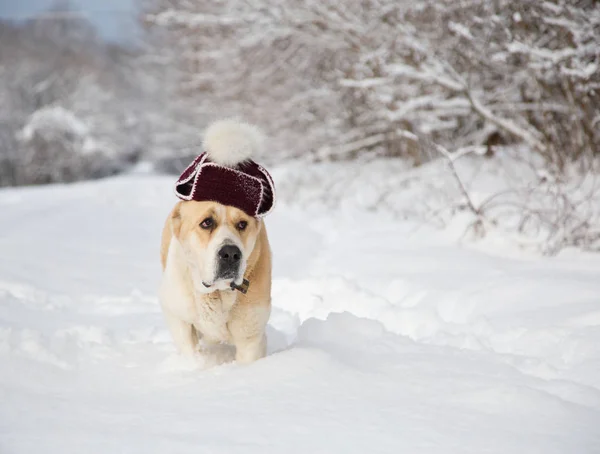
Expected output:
(383, 339)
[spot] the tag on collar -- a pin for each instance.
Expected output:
(242, 288)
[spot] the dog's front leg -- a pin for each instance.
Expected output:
(183, 334)
(247, 327)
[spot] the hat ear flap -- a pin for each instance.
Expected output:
(268, 198)
(184, 187)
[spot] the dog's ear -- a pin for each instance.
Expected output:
(259, 224)
(176, 220)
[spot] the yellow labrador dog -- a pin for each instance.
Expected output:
(215, 254)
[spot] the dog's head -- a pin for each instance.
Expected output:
(217, 241)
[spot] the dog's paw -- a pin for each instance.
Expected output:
(250, 351)
(217, 354)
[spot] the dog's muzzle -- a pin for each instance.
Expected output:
(229, 258)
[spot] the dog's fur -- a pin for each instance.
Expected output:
(215, 314)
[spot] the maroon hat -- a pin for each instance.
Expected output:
(247, 185)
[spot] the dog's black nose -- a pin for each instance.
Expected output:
(230, 255)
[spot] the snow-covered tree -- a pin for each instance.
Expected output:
(364, 75)
(415, 79)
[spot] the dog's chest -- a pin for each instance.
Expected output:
(212, 315)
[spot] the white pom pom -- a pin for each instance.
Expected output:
(230, 142)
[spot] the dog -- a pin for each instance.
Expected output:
(215, 252)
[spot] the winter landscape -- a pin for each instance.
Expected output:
(435, 240)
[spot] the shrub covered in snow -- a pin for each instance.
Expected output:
(54, 123)
(56, 146)
(73, 107)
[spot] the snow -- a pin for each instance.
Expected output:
(384, 337)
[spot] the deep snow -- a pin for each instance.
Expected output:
(383, 338)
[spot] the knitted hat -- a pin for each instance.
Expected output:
(225, 173)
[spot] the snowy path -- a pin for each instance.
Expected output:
(382, 340)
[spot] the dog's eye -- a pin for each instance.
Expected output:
(208, 223)
(242, 225)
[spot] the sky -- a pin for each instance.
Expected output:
(114, 19)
